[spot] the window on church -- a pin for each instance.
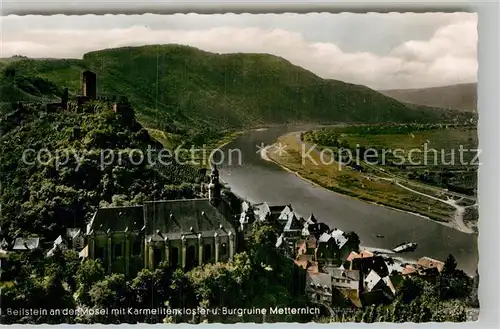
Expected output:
(207, 253)
(157, 257)
(118, 250)
(223, 249)
(191, 259)
(136, 248)
(99, 252)
(174, 256)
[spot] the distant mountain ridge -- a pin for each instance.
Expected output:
(184, 90)
(461, 97)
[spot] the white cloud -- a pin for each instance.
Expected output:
(449, 56)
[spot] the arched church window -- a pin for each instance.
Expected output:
(174, 256)
(118, 250)
(157, 257)
(190, 257)
(136, 247)
(223, 249)
(207, 252)
(99, 252)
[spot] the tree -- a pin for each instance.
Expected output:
(151, 289)
(182, 291)
(109, 293)
(453, 283)
(263, 245)
(410, 290)
(425, 314)
(215, 285)
(474, 297)
(56, 297)
(89, 273)
(450, 265)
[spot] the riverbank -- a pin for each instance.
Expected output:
(350, 183)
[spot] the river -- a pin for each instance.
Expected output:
(258, 180)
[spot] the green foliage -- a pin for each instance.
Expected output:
(389, 145)
(197, 97)
(46, 284)
(217, 284)
(420, 300)
(196, 94)
(96, 165)
(182, 291)
(89, 272)
(450, 265)
(108, 292)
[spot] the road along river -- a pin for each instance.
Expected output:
(258, 180)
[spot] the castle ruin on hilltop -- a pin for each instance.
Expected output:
(89, 84)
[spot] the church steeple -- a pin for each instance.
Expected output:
(214, 188)
(214, 176)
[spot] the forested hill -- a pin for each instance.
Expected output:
(84, 159)
(184, 90)
(461, 97)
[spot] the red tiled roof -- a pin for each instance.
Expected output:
(305, 257)
(365, 254)
(427, 263)
(408, 270)
(301, 246)
(302, 263)
(352, 256)
(312, 243)
(313, 268)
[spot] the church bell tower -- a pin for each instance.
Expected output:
(214, 188)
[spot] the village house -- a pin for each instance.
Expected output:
(284, 246)
(308, 265)
(429, 265)
(245, 220)
(261, 212)
(332, 248)
(264, 212)
(347, 282)
(26, 244)
(283, 216)
(291, 223)
(307, 246)
(319, 288)
(76, 238)
(183, 233)
(314, 228)
(59, 244)
(376, 289)
(425, 267)
(366, 261)
(344, 279)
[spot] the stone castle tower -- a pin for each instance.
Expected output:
(89, 85)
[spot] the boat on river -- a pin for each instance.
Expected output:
(379, 235)
(405, 247)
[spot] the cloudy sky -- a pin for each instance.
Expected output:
(382, 51)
